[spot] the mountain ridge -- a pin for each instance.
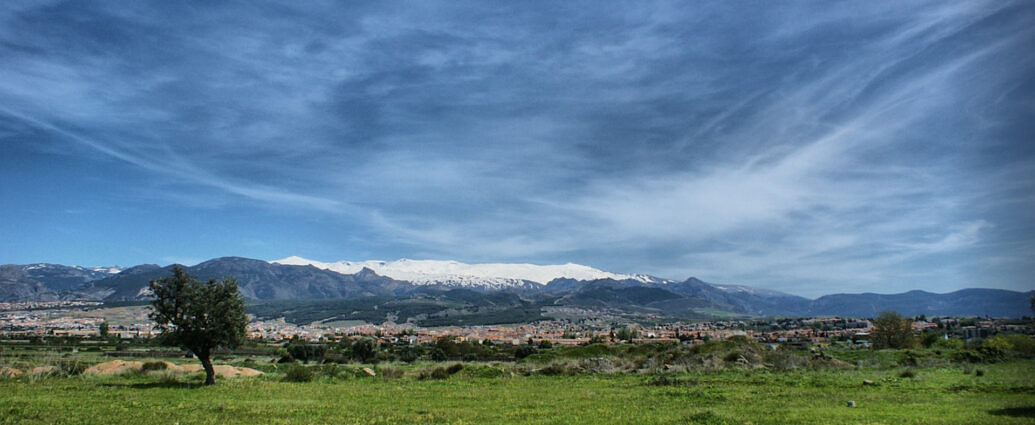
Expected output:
(271, 280)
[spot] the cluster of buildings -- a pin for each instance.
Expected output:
(54, 319)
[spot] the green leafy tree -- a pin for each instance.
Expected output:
(891, 330)
(103, 329)
(364, 350)
(626, 334)
(199, 317)
(305, 351)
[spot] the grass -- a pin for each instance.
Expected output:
(943, 395)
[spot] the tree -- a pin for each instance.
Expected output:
(198, 317)
(891, 330)
(364, 350)
(103, 329)
(304, 351)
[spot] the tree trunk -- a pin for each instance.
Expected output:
(206, 362)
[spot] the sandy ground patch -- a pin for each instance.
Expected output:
(43, 370)
(114, 367)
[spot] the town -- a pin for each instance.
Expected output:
(83, 319)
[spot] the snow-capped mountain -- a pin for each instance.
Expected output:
(453, 273)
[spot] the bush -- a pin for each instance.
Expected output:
(968, 356)
(330, 370)
(298, 373)
(485, 371)
(1019, 344)
(995, 348)
(301, 350)
(909, 358)
(440, 372)
(524, 351)
(149, 366)
(389, 372)
(70, 367)
(951, 344)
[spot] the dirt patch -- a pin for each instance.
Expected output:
(247, 371)
(114, 367)
(118, 367)
(185, 368)
(43, 370)
(225, 371)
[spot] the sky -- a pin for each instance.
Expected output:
(807, 147)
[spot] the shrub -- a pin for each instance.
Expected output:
(1019, 344)
(968, 356)
(556, 369)
(485, 371)
(909, 358)
(995, 348)
(951, 344)
(70, 367)
(330, 370)
(389, 372)
(305, 351)
(149, 366)
(524, 351)
(440, 372)
(298, 373)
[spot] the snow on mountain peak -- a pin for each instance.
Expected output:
(425, 272)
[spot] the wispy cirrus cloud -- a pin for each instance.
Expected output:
(796, 147)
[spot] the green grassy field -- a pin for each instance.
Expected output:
(1004, 394)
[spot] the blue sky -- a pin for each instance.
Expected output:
(809, 147)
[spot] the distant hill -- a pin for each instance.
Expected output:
(965, 302)
(488, 289)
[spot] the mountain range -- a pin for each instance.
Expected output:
(426, 285)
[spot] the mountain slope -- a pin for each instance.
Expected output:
(16, 285)
(257, 280)
(42, 281)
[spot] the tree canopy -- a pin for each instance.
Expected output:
(891, 330)
(199, 317)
